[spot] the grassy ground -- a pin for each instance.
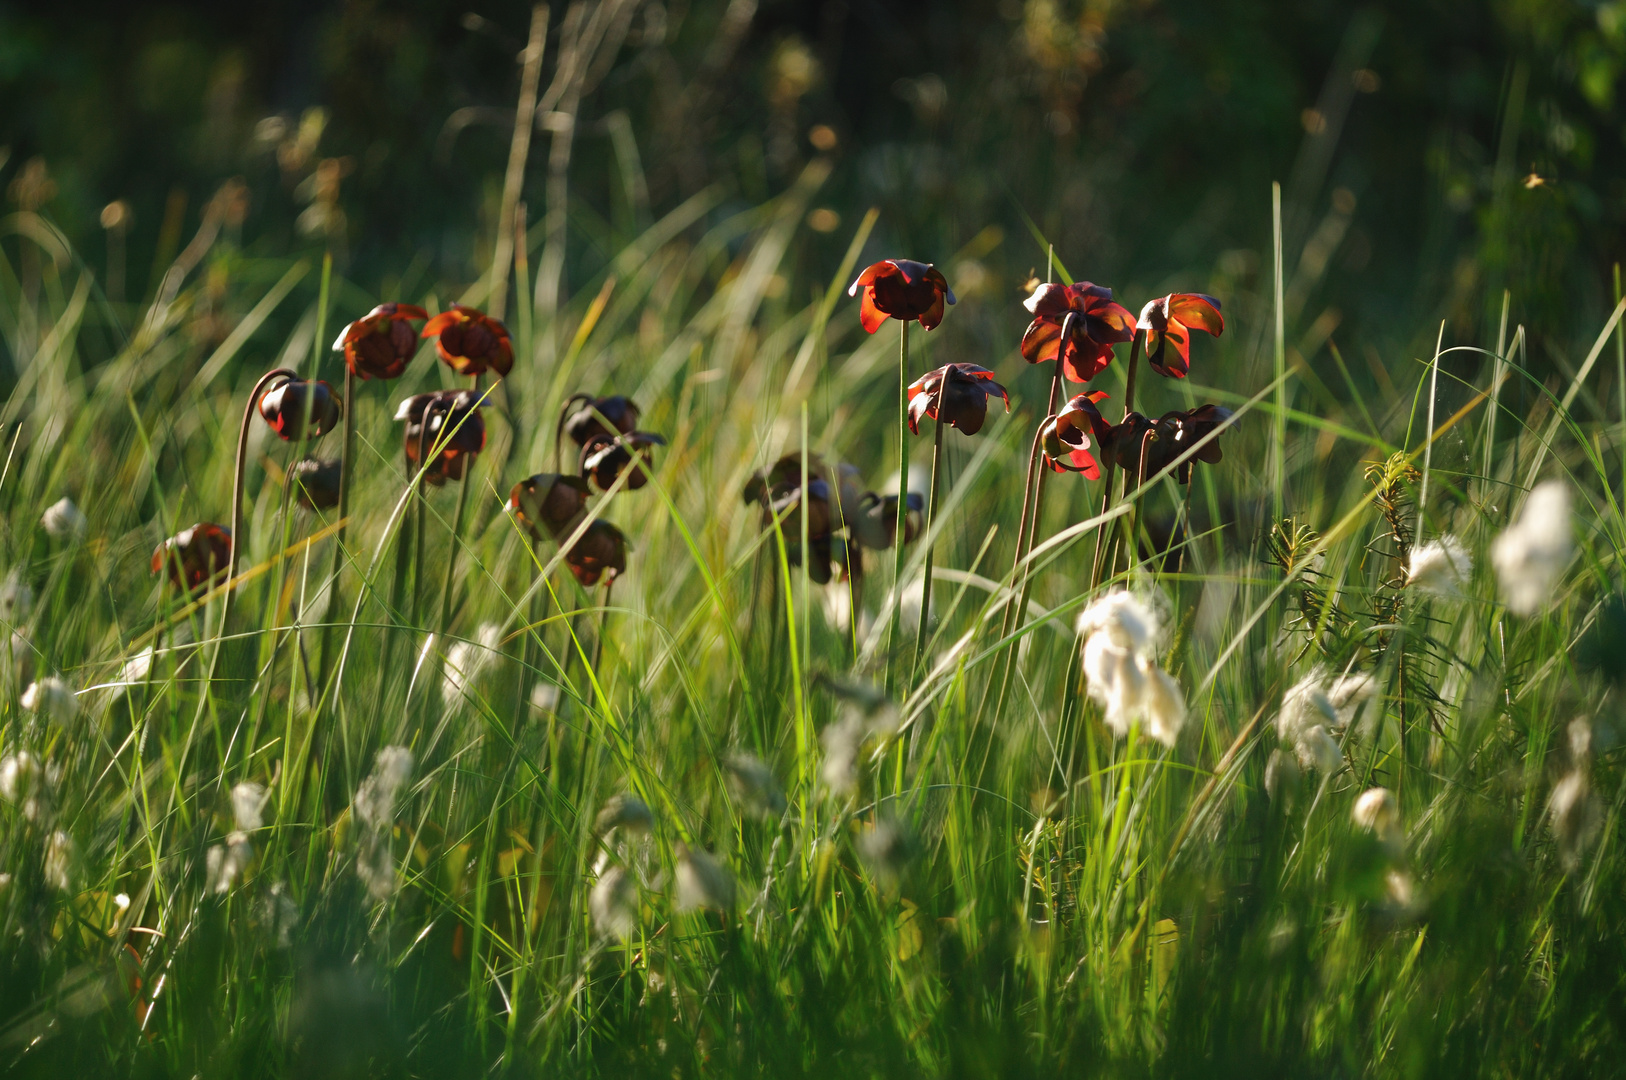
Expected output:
(1006, 889)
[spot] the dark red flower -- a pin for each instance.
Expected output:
(1170, 321)
(451, 417)
(318, 483)
(957, 395)
(1067, 436)
(779, 492)
(471, 341)
(283, 407)
(378, 345)
(1172, 434)
(549, 504)
(901, 289)
(876, 525)
(581, 417)
(195, 557)
(601, 550)
(604, 456)
(1096, 325)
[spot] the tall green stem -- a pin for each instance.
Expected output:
(903, 500)
(347, 454)
(931, 549)
(237, 479)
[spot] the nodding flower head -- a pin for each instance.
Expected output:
(378, 345)
(957, 395)
(1079, 321)
(1171, 435)
(470, 341)
(601, 550)
(284, 406)
(876, 525)
(447, 418)
(779, 492)
(1066, 437)
(548, 504)
(901, 289)
(585, 416)
(603, 457)
(1170, 321)
(318, 483)
(195, 557)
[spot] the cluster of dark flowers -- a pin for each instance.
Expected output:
(443, 434)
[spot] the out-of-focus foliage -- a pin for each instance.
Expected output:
(1433, 153)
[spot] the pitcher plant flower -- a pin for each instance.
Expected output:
(901, 289)
(604, 457)
(1170, 321)
(285, 403)
(195, 557)
(317, 483)
(956, 395)
(1171, 435)
(1067, 437)
(584, 416)
(470, 341)
(448, 417)
(1097, 324)
(601, 550)
(548, 504)
(379, 344)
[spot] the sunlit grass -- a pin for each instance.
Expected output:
(999, 890)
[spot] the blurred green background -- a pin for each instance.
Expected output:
(1432, 153)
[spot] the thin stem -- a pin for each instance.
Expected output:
(903, 500)
(457, 533)
(931, 549)
(1130, 373)
(603, 623)
(237, 478)
(347, 455)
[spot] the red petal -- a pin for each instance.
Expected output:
(933, 315)
(441, 322)
(871, 316)
(1197, 311)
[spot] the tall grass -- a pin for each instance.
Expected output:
(1008, 892)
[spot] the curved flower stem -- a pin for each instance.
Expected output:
(903, 501)
(237, 479)
(931, 549)
(457, 533)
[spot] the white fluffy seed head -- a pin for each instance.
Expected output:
(466, 661)
(375, 799)
(1574, 817)
(1116, 682)
(224, 863)
(1164, 704)
(1531, 555)
(247, 804)
(16, 599)
(52, 699)
(702, 882)
(1377, 812)
(1124, 618)
(1440, 567)
(63, 520)
(61, 859)
(613, 903)
(25, 783)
